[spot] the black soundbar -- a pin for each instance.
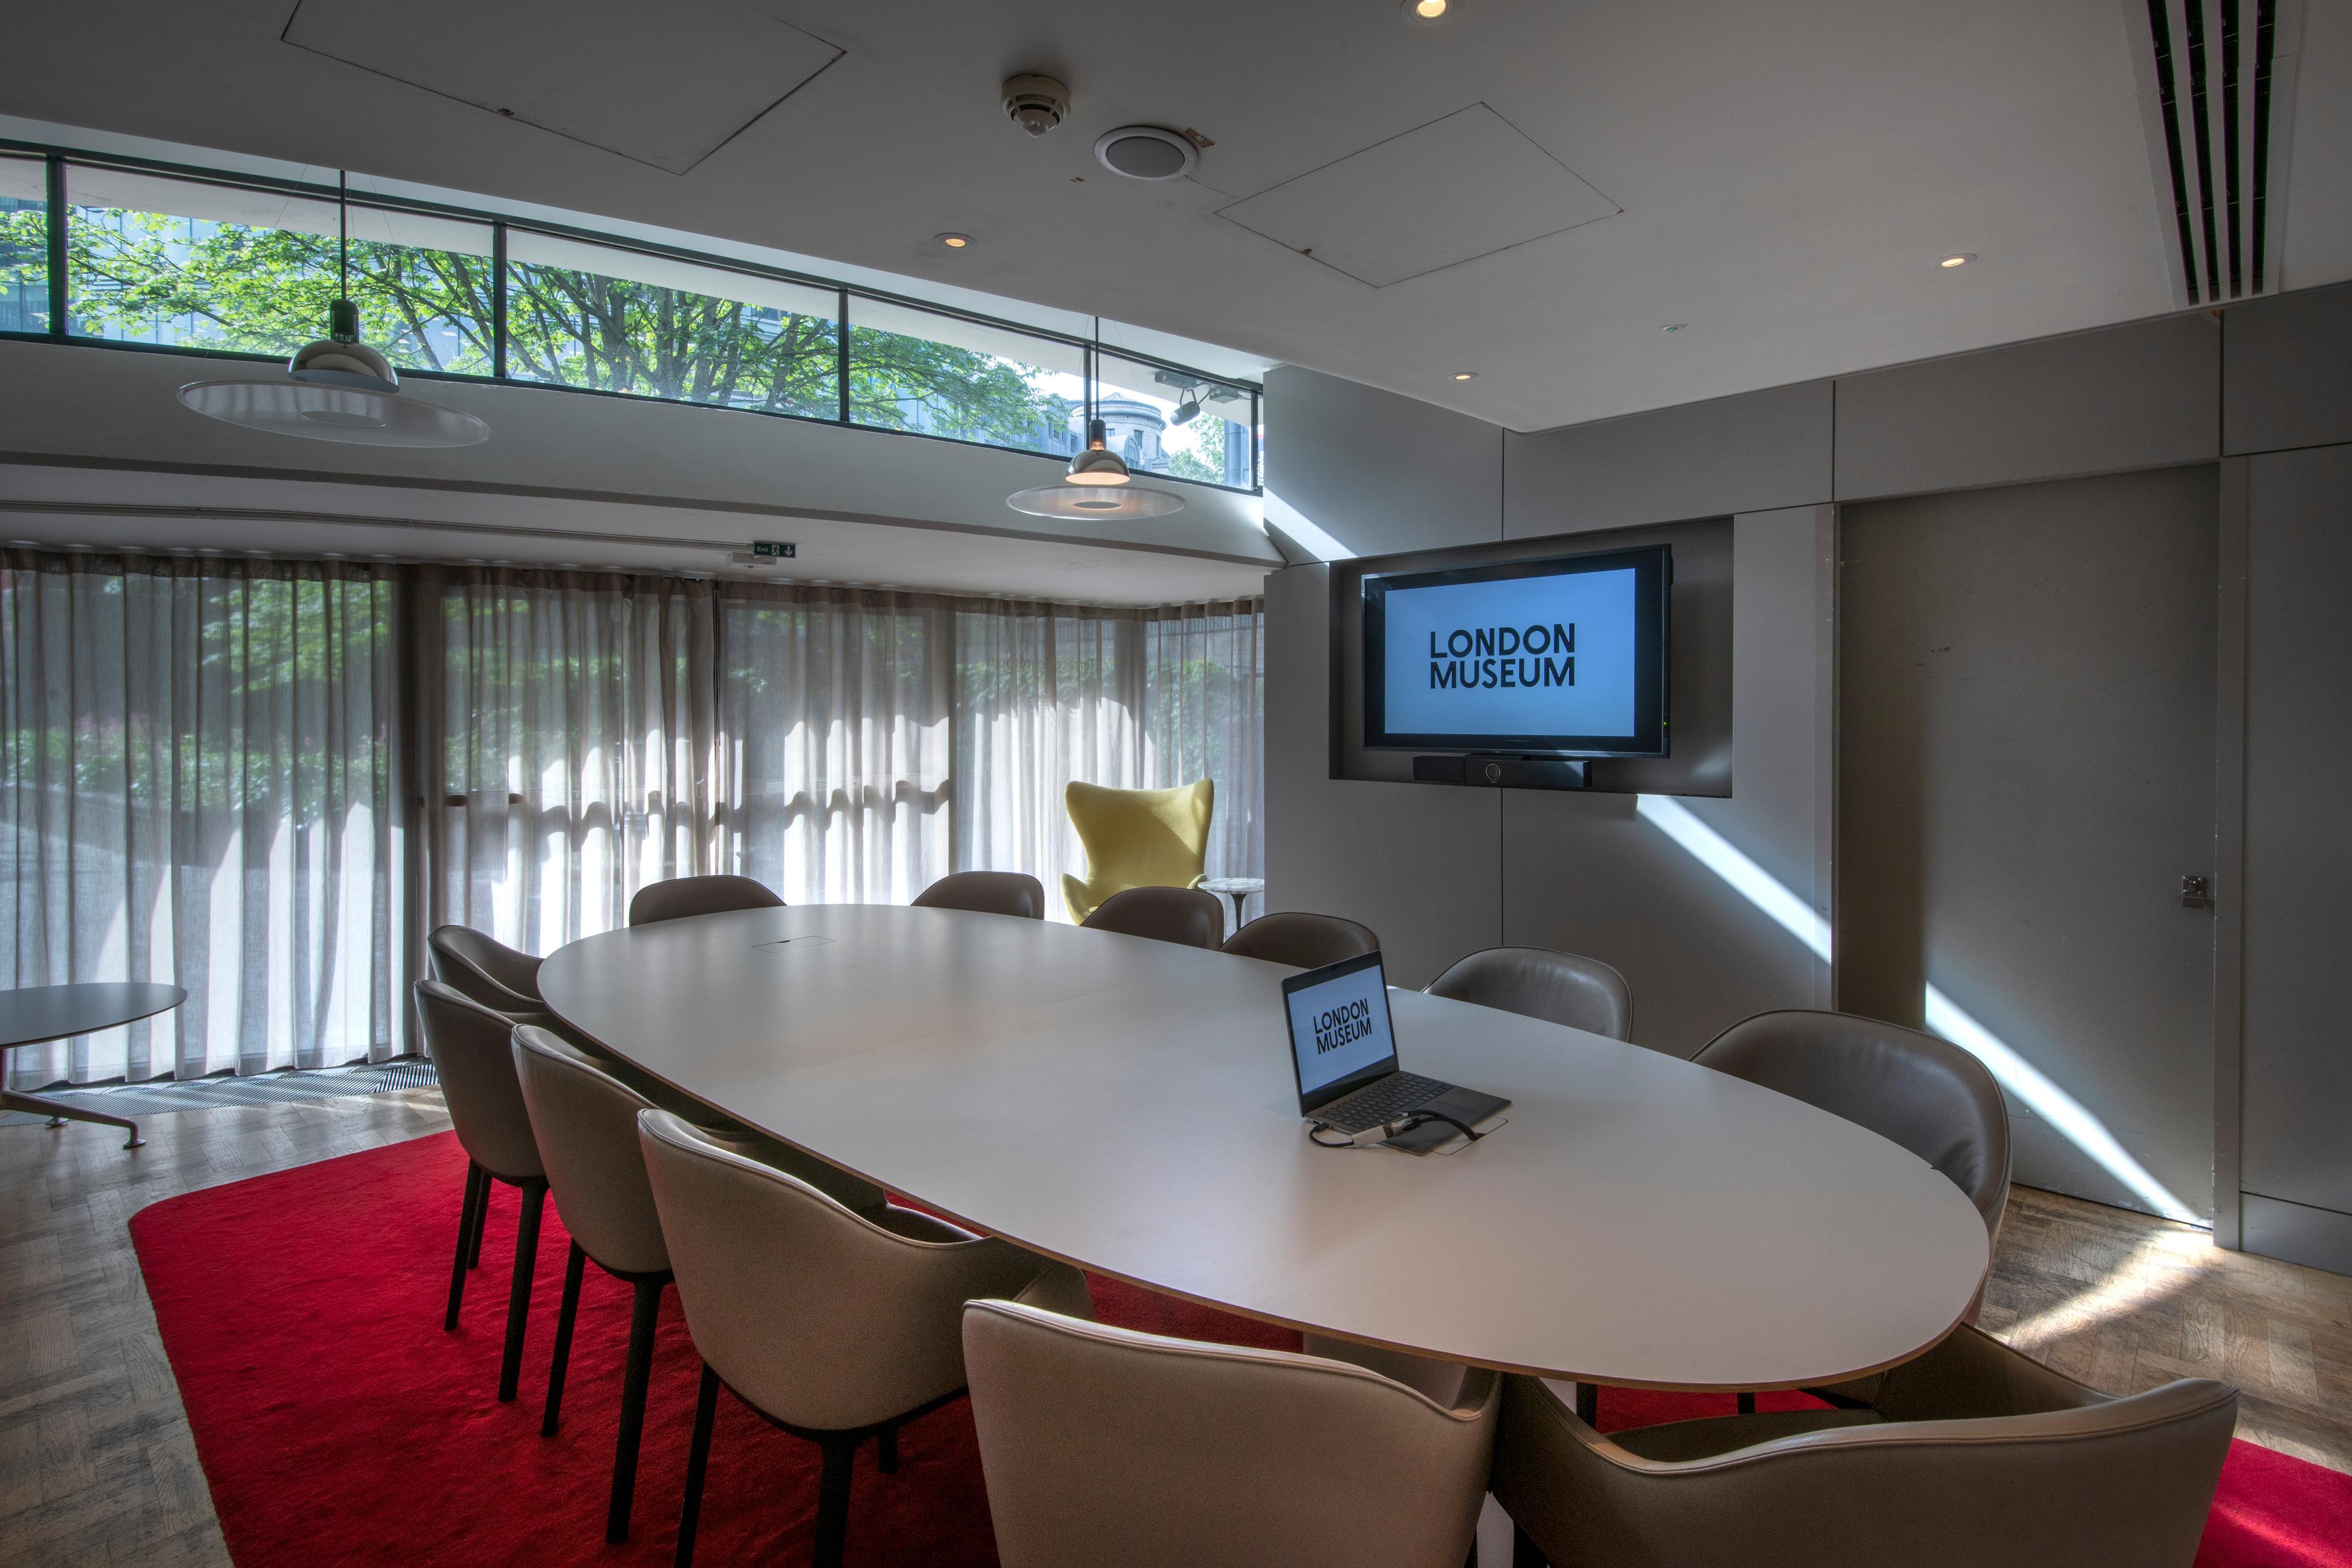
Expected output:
(1497, 770)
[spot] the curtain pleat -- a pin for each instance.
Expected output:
(199, 787)
(265, 781)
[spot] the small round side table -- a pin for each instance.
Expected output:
(1237, 888)
(39, 1013)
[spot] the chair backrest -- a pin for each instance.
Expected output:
(1103, 1444)
(683, 896)
(473, 1056)
(585, 1121)
(1137, 838)
(1981, 1457)
(1926, 1094)
(485, 969)
(819, 1317)
(1536, 983)
(1183, 915)
(987, 893)
(1302, 941)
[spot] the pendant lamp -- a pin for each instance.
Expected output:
(338, 388)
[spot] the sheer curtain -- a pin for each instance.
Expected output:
(1132, 698)
(200, 786)
(834, 741)
(572, 719)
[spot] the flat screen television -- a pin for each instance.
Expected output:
(1560, 657)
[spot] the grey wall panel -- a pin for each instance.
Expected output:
(1751, 453)
(2297, 1050)
(1418, 863)
(2144, 395)
(2027, 742)
(1378, 472)
(1591, 874)
(2287, 370)
(2316, 1238)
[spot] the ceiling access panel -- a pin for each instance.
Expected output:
(665, 86)
(1448, 191)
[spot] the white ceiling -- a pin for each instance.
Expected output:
(106, 508)
(1788, 173)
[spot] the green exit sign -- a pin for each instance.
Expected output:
(774, 550)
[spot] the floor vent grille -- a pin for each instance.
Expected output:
(2216, 81)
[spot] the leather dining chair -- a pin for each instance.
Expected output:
(830, 1325)
(1926, 1094)
(586, 1123)
(1185, 916)
(1970, 1454)
(987, 893)
(1104, 1444)
(681, 897)
(471, 1052)
(1536, 983)
(485, 969)
(1302, 941)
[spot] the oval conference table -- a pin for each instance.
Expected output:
(1129, 1106)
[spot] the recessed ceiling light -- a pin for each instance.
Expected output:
(1961, 261)
(1465, 375)
(953, 241)
(1424, 11)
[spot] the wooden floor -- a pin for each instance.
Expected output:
(97, 1466)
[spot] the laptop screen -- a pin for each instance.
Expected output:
(1339, 1032)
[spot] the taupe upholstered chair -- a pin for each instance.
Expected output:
(1185, 916)
(1926, 1094)
(1104, 1444)
(485, 969)
(585, 1121)
(683, 896)
(1971, 1455)
(830, 1325)
(1302, 941)
(987, 893)
(472, 1054)
(1557, 987)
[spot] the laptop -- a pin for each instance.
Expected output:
(1343, 1050)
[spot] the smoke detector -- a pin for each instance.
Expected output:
(1147, 153)
(1036, 103)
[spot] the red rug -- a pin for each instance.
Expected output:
(338, 1424)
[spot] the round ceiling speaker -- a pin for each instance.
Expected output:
(334, 412)
(1094, 501)
(1147, 153)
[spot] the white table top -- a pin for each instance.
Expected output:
(1129, 1106)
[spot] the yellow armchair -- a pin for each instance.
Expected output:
(1136, 838)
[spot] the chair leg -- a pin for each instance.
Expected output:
(885, 1450)
(1747, 1403)
(573, 1266)
(833, 1500)
(481, 1220)
(698, 1460)
(643, 1316)
(1525, 1553)
(534, 1199)
(467, 1221)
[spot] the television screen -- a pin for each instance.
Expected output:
(1564, 657)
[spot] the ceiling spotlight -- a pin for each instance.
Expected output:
(1465, 375)
(1188, 408)
(953, 241)
(1959, 260)
(1035, 103)
(1096, 464)
(1424, 11)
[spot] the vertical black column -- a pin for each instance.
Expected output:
(498, 300)
(57, 172)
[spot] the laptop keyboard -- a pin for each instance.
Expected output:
(1381, 1101)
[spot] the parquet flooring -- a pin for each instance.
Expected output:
(97, 1466)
